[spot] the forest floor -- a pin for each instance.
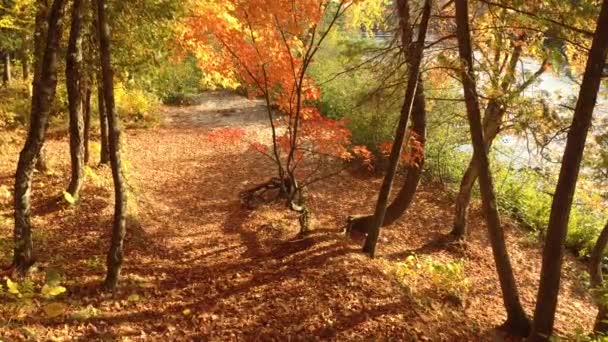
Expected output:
(201, 267)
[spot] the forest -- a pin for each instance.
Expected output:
(278, 170)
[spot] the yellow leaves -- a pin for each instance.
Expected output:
(50, 291)
(12, 287)
(69, 198)
(368, 14)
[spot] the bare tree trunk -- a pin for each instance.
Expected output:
(597, 281)
(414, 71)
(104, 155)
(87, 119)
(406, 194)
(546, 304)
(6, 71)
(74, 79)
(25, 65)
(43, 95)
(115, 254)
(492, 121)
(40, 36)
(41, 163)
(491, 126)
(517, 323)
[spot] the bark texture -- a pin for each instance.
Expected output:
(597, 281)
(115, 254)
(517, 323)
(74, 83)
(544, 314)
(6, 68)
(43, 95)
(414, 71)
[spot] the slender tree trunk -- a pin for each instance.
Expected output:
(41, 163)
(40, 36)
(492, 121)
(104, 155)
(406, 194)
(25, 65)
(491, 126)
(414, 71)
(517, 323)
(43, 95)
(115, 254)
(87, 120)
(597, 281)
(546, 304)
(6, 72)
(74, 79)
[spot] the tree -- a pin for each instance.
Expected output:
(517, 322)
(74, 83)
(43, 95)
(414, 168)
(115, 254)
(268, 47)
(414, 70)
(544, 314)
(6, 68)
(597, 281)
(493, 117)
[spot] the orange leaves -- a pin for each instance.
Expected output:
(266, 46)
(227, 136)
(412, 154)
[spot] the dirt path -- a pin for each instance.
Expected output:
(199, 267)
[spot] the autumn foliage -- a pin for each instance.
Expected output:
(266, 47)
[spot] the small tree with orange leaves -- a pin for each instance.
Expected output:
(267, 46)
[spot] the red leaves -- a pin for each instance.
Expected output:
(227, 136)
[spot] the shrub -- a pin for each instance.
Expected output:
(15, 104)
(136, 107)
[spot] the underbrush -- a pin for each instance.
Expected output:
(14, 104)
(447, 279)
(136, 107)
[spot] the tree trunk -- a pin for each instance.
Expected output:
(517, 323)
(74, 79)
(404, 198)
(493, 117)
(6, 71)
(414, 71)
(104, 154)
(40, 28)
(43, 95)
(597, 282)
(87, 119)
(544, 315)
(115, 254)
(41, 164)
(25, 66)
(492, 121)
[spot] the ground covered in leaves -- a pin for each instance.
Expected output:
(200, 267)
